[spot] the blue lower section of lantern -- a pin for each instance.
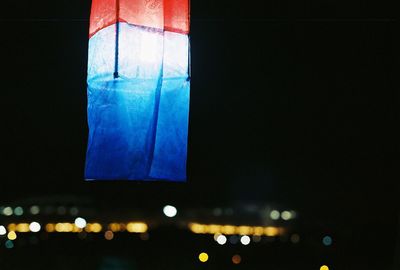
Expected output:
(138, 123)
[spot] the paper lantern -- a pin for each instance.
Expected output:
(138, 90)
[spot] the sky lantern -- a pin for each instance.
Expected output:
(138, 90)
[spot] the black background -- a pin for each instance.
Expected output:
(291, 102)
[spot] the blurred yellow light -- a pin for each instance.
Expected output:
(137, 227)
(64, 227)
(228, 229)
(196, 228)
(271, 231)
(12, 235)
(96, 227)
(50, 227)
(324, 267)
(22, 227)
(213, 229)
(76, 229)
(109, 235)
(115, 227)
(244, 230)
(12, 227)
(258, 231)
(203, 257)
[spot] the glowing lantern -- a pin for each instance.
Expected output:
(138, 89)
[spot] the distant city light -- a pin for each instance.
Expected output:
(34, 227)
(61, 210)
(64, 227)
(95, 227)
(244, 230)
(286, 215)
(170, 211)
(233, 239)
(50, 227)
(144, 236)
(324, 267)
(295, 238)
(217, 212)
(228, 229)
(256, 238)
(3, 230)
(235, 230)
(12, 235)
(221, 239)
(80, 223)
(22, 227)
(327, 240)
(236, 259)
(203, 257)
(9, 244)
(109, 235)
(271, 231)
(245, 240)
(34, 210)
(137, 227)
(18, 211)
(73, 211)
(8, 211)
(275, 215)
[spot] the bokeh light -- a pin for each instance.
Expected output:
(137, 227)
(286, 215)
(295, 238)
(275, 215)
(327, 240)
(34, 227)
(221, 239)
(18, 211)
(236, 259)
(109, 235)
(245, 240)
(170, 211)
(34, 210)
(12, 235)
(80, 223)
(9, 244)
(3, 230)
(203, 257)
(7, 211)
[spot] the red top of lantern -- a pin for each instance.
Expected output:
(169, 15)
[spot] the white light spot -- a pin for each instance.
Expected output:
(221, 239)
(3, 231)
(170, 211)
(34, 227)
(80, 223)
(245, 240)
(8, 211)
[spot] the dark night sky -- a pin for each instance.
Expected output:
(292, 102)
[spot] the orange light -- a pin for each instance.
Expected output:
(109, 235)
(236, 259)
(50, 227)
(271, 231)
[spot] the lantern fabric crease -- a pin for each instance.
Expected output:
(138, 90)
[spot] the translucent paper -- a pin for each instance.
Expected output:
(138, 90)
